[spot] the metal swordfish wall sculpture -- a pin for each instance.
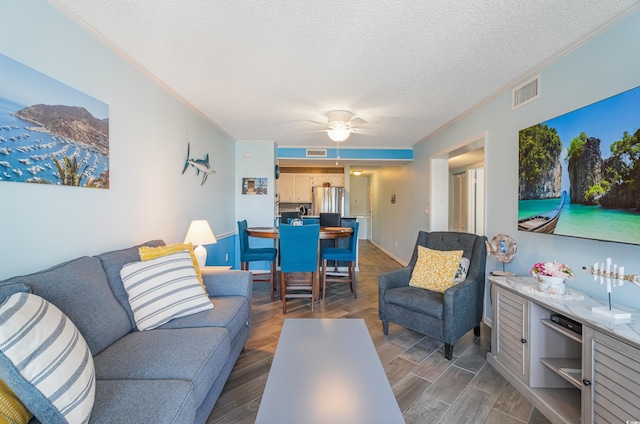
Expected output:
(200, 165)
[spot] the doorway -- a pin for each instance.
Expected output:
(458, 204)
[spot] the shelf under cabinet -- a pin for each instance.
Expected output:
(565, 403)
(569, 369)
(560, 329)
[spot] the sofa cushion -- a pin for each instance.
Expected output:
(79, 288)
(162, 289)
(144, 401)
(231, 312)
(435, 269)
(112, 262)
(147, 253)
(418, 300)
(192, 354)
(45, 360)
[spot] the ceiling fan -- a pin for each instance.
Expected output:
(341, 123)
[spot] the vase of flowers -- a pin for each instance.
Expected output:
(551, 276)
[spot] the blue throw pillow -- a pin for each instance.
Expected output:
(7, 290)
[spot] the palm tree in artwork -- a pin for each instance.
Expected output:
(69, 172)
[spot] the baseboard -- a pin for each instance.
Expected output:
(391, 255)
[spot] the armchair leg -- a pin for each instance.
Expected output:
(385, 327)
(448, 351)
(476, 330)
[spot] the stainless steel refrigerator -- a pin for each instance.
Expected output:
(328, 199)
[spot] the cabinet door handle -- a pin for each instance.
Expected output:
(586, 382)
(523, 340)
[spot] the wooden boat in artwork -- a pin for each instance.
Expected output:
(544, 222)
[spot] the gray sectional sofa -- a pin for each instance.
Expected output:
(171, 374)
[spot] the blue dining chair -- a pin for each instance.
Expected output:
(343, 255)
(248, 254)
(330, 219)
(299, 255)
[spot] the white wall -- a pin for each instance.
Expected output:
(255, 159)
(149, 129)
(600, 68)
(394, 224)
(358, 185)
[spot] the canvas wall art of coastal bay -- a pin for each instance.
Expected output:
(49, 132)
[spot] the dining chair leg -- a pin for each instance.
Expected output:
(273, 280)
(324, 279)
(283, 292)
(352, 276)
(314, 285)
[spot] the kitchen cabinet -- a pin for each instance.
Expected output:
(335, 180)
(302, 188)
(285, 188)
(297, 188)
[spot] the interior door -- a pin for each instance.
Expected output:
(460, 204)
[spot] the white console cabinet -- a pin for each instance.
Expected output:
(511, 332)
(593, 377)
(612, 379)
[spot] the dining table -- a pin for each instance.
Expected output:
(326, 233)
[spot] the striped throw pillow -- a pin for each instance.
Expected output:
(163, 289)
(45, 360)
(149, 252)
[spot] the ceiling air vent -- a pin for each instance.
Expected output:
(316, 153)
(527, 92)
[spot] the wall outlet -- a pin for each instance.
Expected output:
(226, 257)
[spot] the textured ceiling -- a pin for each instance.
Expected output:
(260, 69)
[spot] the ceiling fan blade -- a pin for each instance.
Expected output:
(316, 131)
(364, 131)
(316, 122)
(356, 120)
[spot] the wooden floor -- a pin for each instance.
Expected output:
(428, 388)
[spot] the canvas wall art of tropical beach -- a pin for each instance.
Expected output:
(50, 133)
(579, 173)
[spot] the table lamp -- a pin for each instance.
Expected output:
(199, 234)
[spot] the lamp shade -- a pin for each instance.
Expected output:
(200, 233)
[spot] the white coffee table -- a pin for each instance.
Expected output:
(327, 371)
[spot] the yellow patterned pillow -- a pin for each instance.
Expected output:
(12, 411)
(435, 269)
(147, 253)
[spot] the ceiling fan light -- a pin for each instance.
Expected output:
(338, 134)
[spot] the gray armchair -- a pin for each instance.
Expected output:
(442, 316)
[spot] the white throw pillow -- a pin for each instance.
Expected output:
(461, 272)
(45, 360)
(162, 289)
